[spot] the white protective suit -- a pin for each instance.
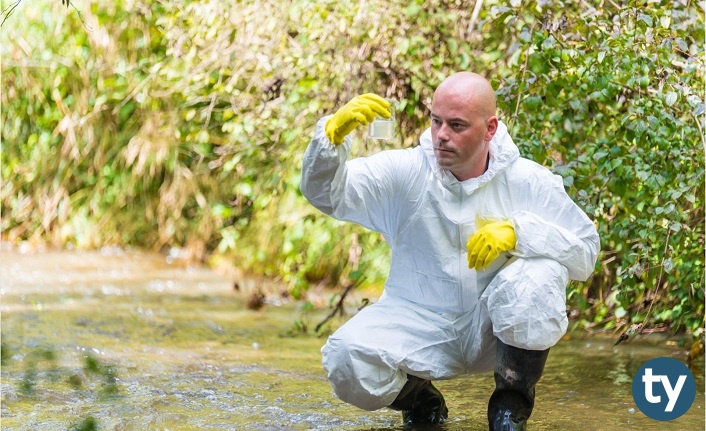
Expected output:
(437, 318)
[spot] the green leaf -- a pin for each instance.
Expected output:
(664, 21)
(452, 45)
(413, 10)
(532, 103)
(601, 56)
(599, 155)
(646, 19)
(355, 276)
(640, 128)
(548, 43)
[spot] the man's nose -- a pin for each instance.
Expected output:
(443, 133)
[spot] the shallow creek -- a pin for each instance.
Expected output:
(118, 340)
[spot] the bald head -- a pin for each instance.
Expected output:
(470, 89)
(463, 123)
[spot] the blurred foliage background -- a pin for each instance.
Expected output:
(181, 126)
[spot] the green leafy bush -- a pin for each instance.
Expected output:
(610, 99)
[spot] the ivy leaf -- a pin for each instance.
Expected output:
(671, 98)
(665, 21)
(640, 128)
(548, 43)
(601, 56)
(646, 19)
(693, 100)
(599, 155)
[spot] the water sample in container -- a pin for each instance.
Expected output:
(383, 128)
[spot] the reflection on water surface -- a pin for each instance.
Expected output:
(132, 343)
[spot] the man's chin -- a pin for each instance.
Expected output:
(444, 158)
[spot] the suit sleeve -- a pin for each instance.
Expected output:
(365, 190)
(554, 226)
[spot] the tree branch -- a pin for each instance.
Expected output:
(338, 308)
(9, 10)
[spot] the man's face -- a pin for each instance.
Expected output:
(461, 134)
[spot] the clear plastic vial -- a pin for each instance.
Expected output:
(383, 128)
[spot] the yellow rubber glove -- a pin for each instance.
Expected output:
(488, 242)
(361, 110)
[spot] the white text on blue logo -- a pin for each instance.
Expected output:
(672, 392)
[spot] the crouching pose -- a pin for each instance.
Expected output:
(483, 245)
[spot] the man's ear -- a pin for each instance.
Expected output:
(491, 127)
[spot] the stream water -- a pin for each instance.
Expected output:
(118, 340)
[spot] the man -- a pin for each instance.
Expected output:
(483, 245)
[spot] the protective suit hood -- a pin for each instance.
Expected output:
(503, 152)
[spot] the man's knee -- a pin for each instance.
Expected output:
(359, 375)
(335, 357)
(526, 302)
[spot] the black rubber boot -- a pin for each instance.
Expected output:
(517, 371)
(420, 402)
